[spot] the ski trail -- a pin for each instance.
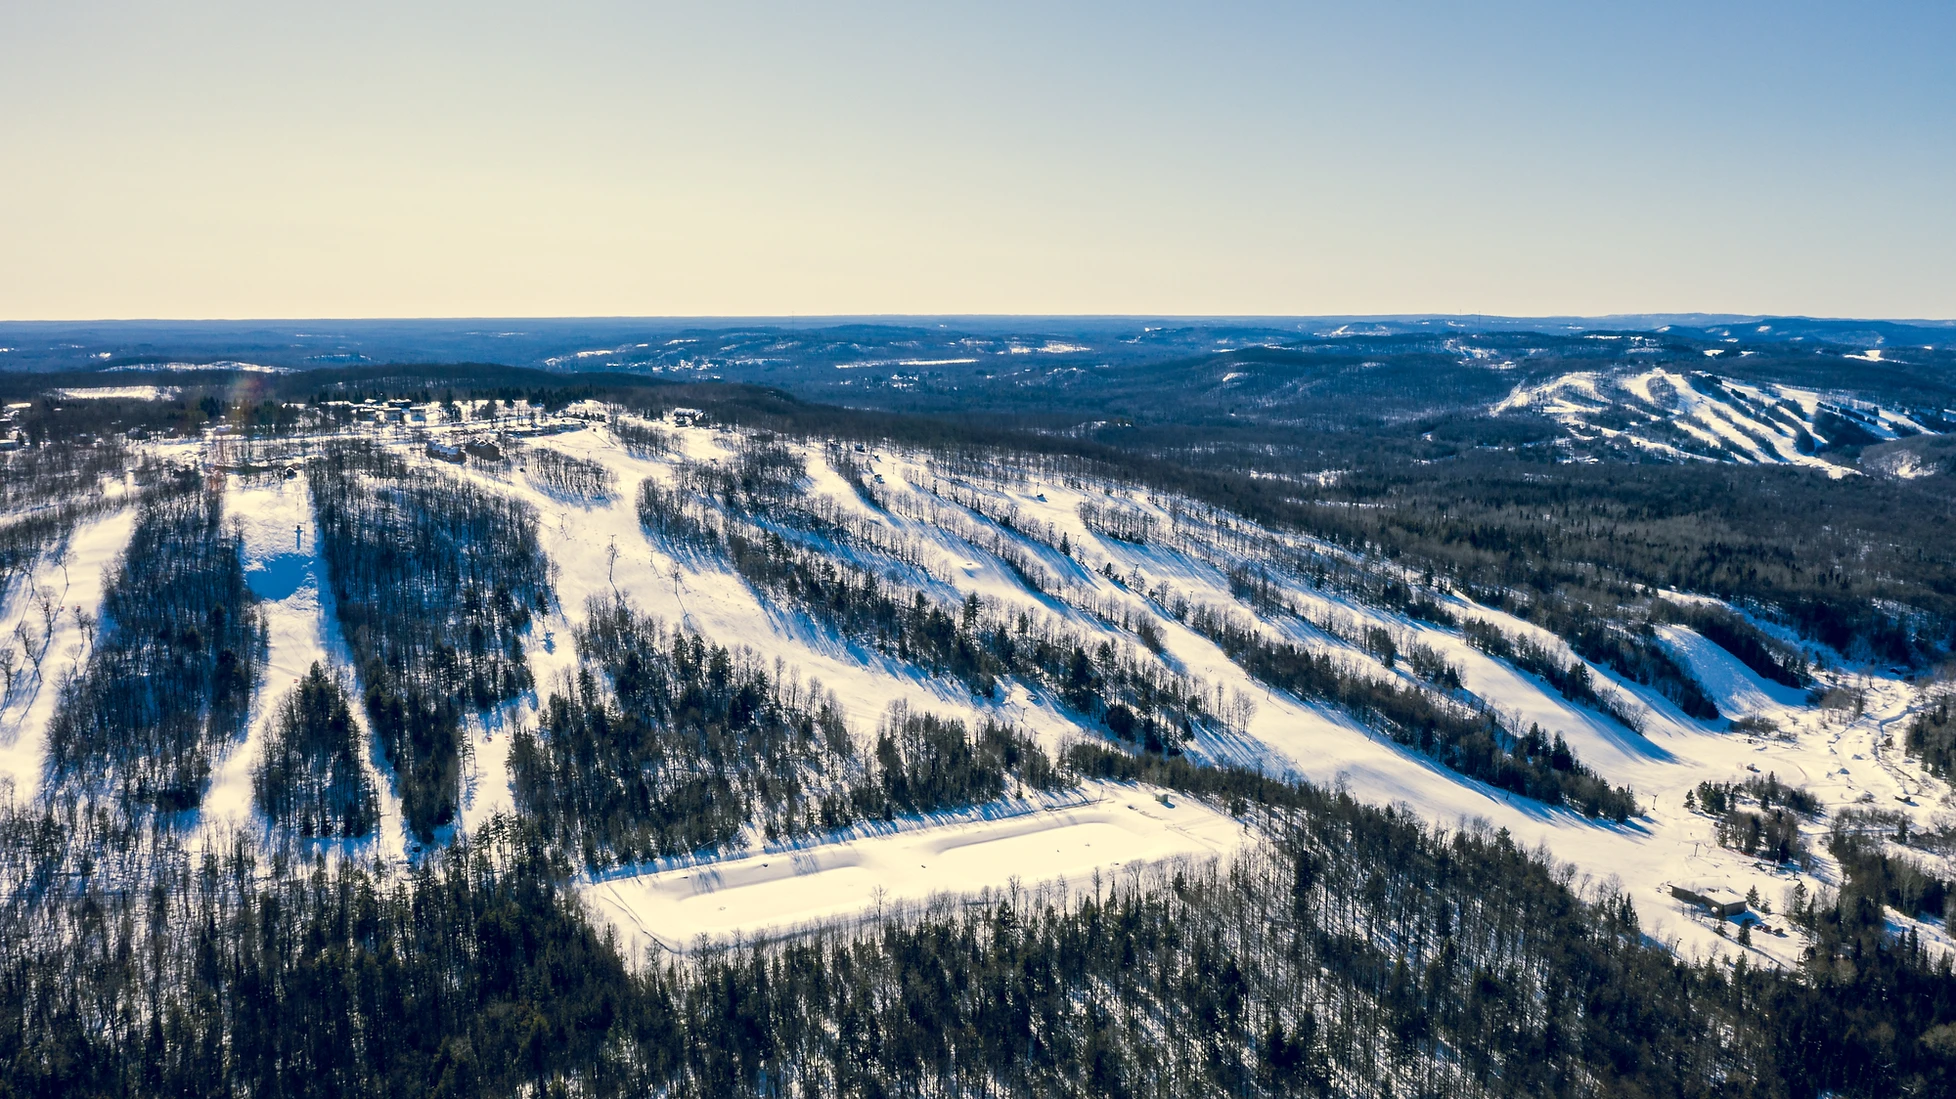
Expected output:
(74, 579)
(288, 574)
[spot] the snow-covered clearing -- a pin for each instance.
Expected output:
(786, 888)
(124, 392)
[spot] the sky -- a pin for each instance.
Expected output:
(401, 159)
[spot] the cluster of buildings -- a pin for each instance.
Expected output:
(397, 411)
(9, 425)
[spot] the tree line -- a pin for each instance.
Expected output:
(310, 779)
(664, 743)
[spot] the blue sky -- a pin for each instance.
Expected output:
(239, 160)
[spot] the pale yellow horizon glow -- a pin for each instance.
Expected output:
(241, 161)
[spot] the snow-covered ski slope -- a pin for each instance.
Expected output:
(948, 547)
(286, 573)
(954, 530)
(1700, 415)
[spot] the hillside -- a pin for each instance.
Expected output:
(695, 739)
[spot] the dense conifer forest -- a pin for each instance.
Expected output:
(310, 779)
(1932, 736)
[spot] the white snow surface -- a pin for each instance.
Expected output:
(131, 392)
(1115, 829)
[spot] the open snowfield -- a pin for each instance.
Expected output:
(787, 887)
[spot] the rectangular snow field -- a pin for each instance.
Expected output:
(781, 890)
